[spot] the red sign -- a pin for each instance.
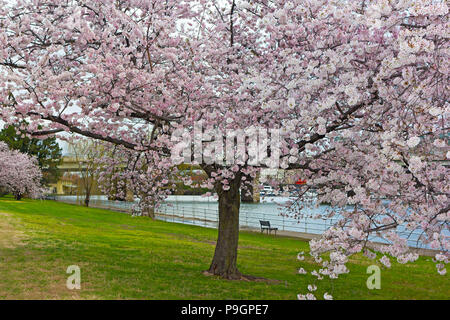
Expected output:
(300, 181)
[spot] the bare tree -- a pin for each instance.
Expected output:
(87, 152)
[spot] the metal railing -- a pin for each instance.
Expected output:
(207, 217)
(250, 220)
(247, 219)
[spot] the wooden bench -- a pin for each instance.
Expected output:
(265, 225)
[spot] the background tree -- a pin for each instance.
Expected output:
(87, 153)
(352, 89)
(47, 150)
(19, 173)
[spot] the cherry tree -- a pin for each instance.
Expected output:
(369, 85)
(19, 173)
(353, 96)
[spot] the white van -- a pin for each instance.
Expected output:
(267, 190)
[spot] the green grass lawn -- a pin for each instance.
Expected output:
(124, 257)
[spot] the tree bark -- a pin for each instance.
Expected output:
(224, 263)
(18, 196)
(150, 213)
(87, 199)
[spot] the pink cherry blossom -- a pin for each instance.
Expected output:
(351, 90)
(19, 173)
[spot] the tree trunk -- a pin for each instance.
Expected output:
(150, 213)
(225, 255)
(18, 196)
(87, 199)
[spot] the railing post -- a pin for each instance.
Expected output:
(306, 225)
(246, 218)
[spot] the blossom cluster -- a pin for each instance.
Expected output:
(19, 173)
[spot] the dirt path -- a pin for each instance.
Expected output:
(10, 237)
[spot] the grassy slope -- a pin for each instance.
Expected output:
(123, 257)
